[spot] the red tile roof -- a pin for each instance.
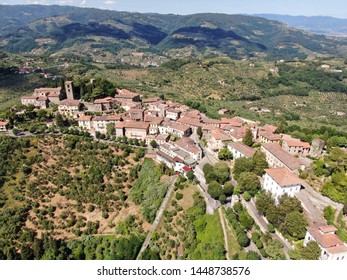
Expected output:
(270, 128)
(85, 118)
(219, 134)
(293, 143)
(287, 159)
(326, 240)
(243, 149)
(283, 177)
(190, 121)
(70, 102)
(132, 124)
(3, 123)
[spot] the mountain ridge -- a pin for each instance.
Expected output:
(238, 36)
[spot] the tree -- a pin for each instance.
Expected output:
(344, 210)
(222, 172)
(154, 144)
(199, 132)
(225, 154)
(190, 175)
(295, 225)
(311, 251)
(329, 214)
(260, 163)
(215, 189)
(249, 181)
(290, 204)
(263, 203)
(242, 164)
(251, 255)
(248, 138)
(228, 189)
(274, 249)
(110, 128)
(243, 239)
(59, 121)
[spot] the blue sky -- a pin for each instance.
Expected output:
(335, 8)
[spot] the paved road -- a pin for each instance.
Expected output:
(158, 217)
(313, 213)
(226, 242)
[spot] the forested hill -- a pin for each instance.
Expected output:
(29, 28)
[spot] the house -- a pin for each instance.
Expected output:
(175, 129)
(41, 102)
(172, 162)
(173, 114)
(193, 123)
(269, 128)
(237, 133)
(277, 157)
(162, 139)
(85, 122)
(136, 114)
(176, 152)
(295, 147)
(238, 149)
(216, 140)
(132, 129)
(154, 123)
(69, 107)
(105, 104)
(124, 96)
(266, 136)
(100, 122)
(3, 126)
(332, 247)
(280, 181)
(188, 145)
(211, 122)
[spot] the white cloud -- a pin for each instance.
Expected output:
(110, 2)
(83, 2)
(36, 2)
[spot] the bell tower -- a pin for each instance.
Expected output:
(69, 90)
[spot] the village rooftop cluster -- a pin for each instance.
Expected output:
(177, 131)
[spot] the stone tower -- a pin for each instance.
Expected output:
(69, 90)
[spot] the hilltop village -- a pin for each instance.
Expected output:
(185, 139)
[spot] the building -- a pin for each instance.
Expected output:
(131, 129)
(333, 248)
(280, 181)
(173, 114)
(85, 122)
(100, 122)
(266, 136)
(193, 123)
(3, 126)
(277, 157)
(238, 149)
(172, 162)
(136, 114)
(188, 145)
(41, 102)
(175, 129)
(69, 107)
(216, 140)
(70, 94)
(124, 96)
(295, 147)
(104, 104)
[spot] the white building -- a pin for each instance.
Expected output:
(238, 149)
(280, 181)
(333, 248)
(85, 122)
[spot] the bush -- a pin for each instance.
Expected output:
(179, 196)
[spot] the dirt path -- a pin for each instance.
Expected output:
(157, 217)
(222, 221)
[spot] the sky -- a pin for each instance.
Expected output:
(334, 8)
